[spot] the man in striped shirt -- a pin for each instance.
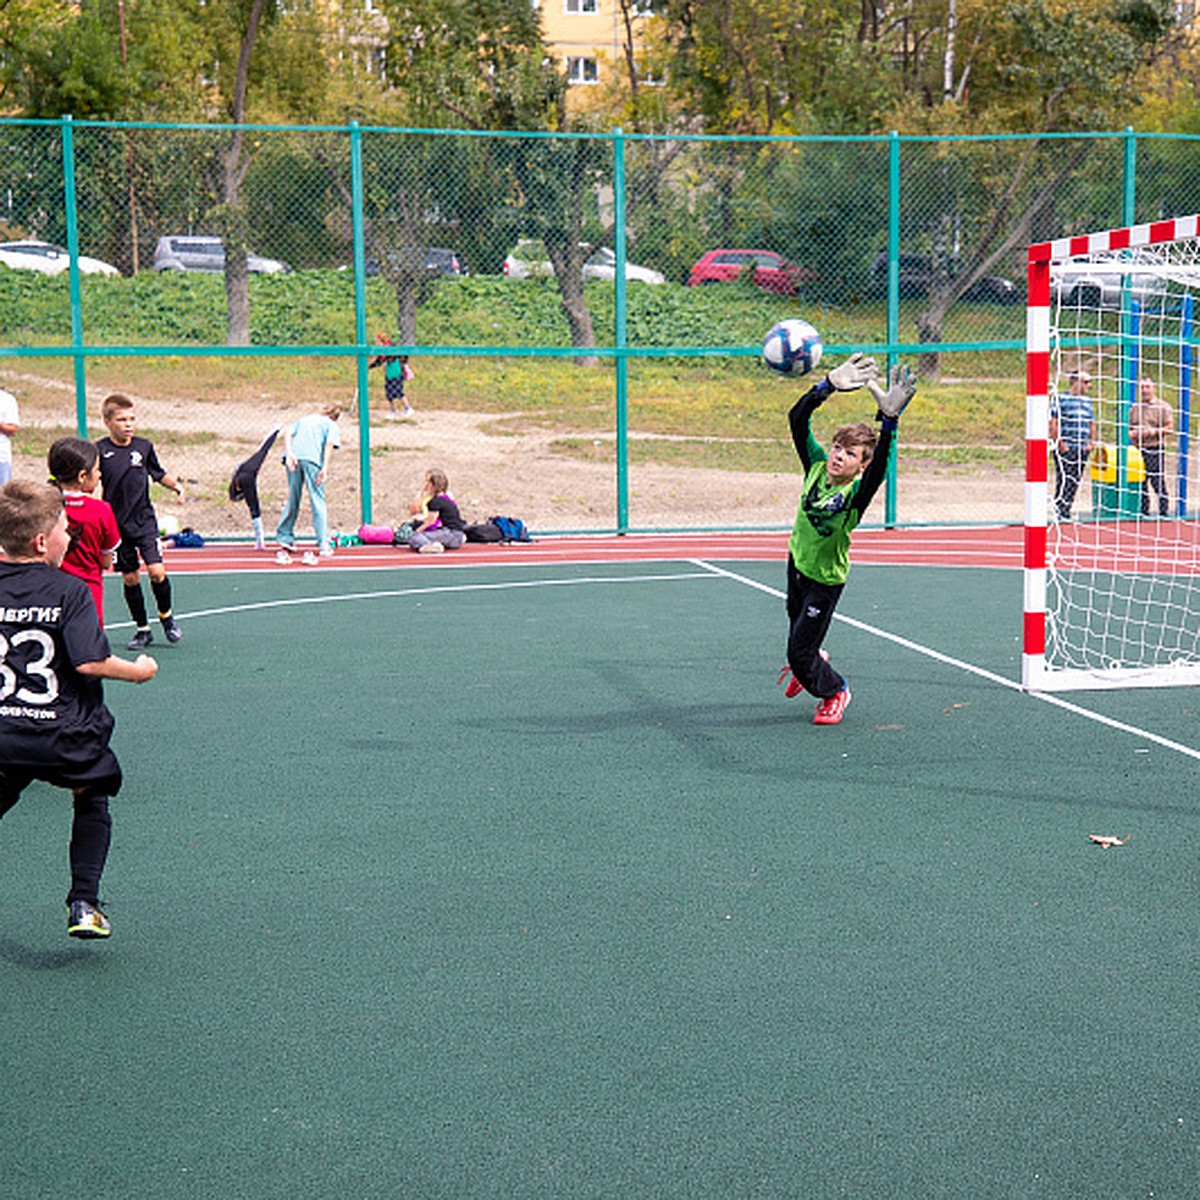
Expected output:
(1072, 436)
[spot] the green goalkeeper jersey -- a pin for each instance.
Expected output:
(829, 512)
(820, 541)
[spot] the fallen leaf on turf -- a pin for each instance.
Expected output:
(1106, 841)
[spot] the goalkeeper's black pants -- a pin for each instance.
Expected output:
(810, 608)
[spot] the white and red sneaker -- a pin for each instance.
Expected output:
(831, 710)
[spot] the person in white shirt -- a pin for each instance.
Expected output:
(10, 422)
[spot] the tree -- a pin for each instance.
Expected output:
(1035, 67)
(481, 64)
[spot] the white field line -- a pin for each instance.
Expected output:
(971, 668)
(298, 601)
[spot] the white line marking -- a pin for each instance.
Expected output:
(424, 591)
(990, 676)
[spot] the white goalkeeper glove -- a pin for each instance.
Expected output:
(853, 373)
(903, 388)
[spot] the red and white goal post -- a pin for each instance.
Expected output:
(1112, 579)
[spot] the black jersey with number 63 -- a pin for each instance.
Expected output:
(50, 714)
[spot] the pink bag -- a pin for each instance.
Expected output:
(376, 535)
(408, 371)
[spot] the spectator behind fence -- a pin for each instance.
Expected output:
(1072, 436)
(1150, 424)
(396, 373)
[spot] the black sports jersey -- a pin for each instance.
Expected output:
(447, 511)
(50, 714)
(125, 474)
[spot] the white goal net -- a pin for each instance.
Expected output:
(1112, 556)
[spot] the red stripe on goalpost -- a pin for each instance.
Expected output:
(1036, 461)
(1035, 547)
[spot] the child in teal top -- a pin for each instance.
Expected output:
(838, 487)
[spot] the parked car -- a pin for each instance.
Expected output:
(528, 260)
(1080, 283)
(441, 261)
(772, 272)
(438, 261)
(916, 272)
(32, 255)
(188, 253)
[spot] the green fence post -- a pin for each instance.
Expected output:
(1129, 179)
(360, 320)
(893, 307)
(67, 129)
(620, 343)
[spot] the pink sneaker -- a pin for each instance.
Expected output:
(830, 711)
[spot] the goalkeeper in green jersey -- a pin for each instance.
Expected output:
(838, 486)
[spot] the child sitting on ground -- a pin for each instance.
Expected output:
(440, 525)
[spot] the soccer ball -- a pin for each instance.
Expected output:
(168, 526)
(792, 347)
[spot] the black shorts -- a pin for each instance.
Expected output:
(101, 777)
(127, 552)
(393, 389)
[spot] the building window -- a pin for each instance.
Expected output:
(580, 7)
(582, 70)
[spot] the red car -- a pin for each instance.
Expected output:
(772, 272)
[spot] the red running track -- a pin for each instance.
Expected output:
(999, 546)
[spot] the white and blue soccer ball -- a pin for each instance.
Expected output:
(168, 525)
(792, 347)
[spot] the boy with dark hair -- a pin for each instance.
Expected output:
(54, 725)
(127, 464)
(838, 487)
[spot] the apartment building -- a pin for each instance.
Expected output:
(590, 36)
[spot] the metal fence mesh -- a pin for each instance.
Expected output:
(490, 256)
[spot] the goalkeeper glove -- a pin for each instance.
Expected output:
(853, 373)
(903, 388)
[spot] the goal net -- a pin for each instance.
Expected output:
(1112, 558)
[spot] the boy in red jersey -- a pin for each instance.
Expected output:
(75, 469)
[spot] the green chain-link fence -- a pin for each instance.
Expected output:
(494, 260)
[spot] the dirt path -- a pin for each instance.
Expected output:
(495, 465)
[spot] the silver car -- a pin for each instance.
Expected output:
(528, 260)
(1111, 282)
(179, 253)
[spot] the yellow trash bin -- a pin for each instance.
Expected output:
(1112, 497)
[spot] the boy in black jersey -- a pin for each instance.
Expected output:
(127, 464)
(54, 725)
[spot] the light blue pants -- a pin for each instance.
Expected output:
(299, 480)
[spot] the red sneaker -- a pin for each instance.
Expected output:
(794, 686)
(830, 711)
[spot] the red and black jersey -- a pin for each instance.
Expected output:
(94, 536)
(125, 474)
(51, 716)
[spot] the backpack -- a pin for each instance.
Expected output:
(488, 531)
(186, 539)
(403, 533)
(511, 529)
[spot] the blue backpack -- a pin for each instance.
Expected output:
(511, 529)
